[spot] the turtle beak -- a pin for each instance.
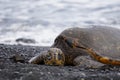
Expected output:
(56, 56)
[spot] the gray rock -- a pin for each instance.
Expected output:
(25, 40)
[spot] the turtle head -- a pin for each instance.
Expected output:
(54, 57)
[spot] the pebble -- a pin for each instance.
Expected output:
(30, 72)
(83, 74)
(41, 73)
(118, 74)
(82, 79)
(49, 72)
(59, 74)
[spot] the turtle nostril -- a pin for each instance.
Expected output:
(59, 57)
(56, 56)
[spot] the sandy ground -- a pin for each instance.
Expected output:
(9, 70)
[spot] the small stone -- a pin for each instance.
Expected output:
(82, 79)
(59, 74)
(25, 40)
(83, 74)
(118, 74)
(49, 72)
(41, 73)
(70, 69)
(30, 72)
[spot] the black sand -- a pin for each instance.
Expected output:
(9, 70)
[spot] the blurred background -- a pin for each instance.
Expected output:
(38, 22)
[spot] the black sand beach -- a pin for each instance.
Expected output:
(11, 70)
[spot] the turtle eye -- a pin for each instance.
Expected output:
(69, 43)
(49, 57)
(59, 56)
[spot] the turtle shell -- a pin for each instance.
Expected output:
(104, 41)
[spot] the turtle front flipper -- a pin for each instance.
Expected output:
(102, 59)
(38, 59)
(87, 62)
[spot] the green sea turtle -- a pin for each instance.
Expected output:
(83, 46)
